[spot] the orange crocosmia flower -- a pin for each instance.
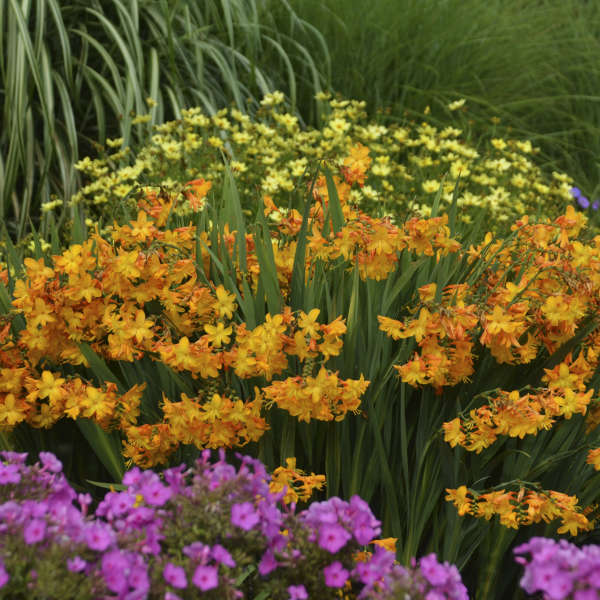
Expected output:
(418, 328)
(219, 334)
(388, 544)
(427, 292)
(573, 522)
(414, 372)
(308, 322)
(356, 165)
(195, 193)
(12, 410)
(460, 498)
(593, 458)
(225, 304)
(391, 327)
(453, 433)
(48, 387)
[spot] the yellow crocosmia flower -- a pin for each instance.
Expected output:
(593, 458)
(308, 322)
(561, 377)
(573, 522)
(214, 409)
(388, 543)
(574, 403)
(391, 327)
(41, 314)
(413, 372)
(225, 304)
(97, 404)
(125, 264)
(460, 498)
(218, 335)
(453, 433)
(418, 328)
(50, 387)
(140, 328)
(12, 410)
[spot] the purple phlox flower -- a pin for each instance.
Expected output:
(76, 564)
(14, 457)
(132, 477)
(366, 573)
(155, 493)
(333, 537)
(365, 526)
(320, 512)
(555, 567)
(175, 478)
(115, 570)
(154, 536)
(10, 512)
(50, 462)
(297, 592)
(378, 569)
(244, 516)
(560, 587)
(267, 563)
(575, 192)
(34, 531)
(197, 551)
(9, 474)
(433, 571)
(140, 517)
(221, 555)
(171, 596)
(271, 519)
(595, 204)
(115, 504)
(205, 578)
(84, 501)
(138, 578)
(335, 575)
(98, 536)
(4, 576)
(34, 508)
(175, 576)
(586, 594)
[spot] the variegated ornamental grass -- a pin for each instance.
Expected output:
(172, 332)
(73, 73)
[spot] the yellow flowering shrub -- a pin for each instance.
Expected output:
(272, 154)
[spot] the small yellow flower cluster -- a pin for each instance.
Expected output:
(524, 507)
(270, 153)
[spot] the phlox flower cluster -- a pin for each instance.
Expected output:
(560, 570)
(210, 531)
